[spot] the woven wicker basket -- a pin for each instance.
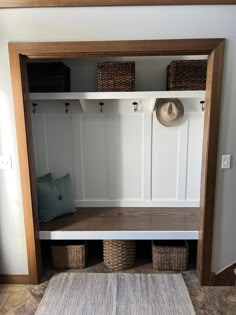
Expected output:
(116, 76)
(187, 75)
(69, 256)
(119, 255)
(172, 256)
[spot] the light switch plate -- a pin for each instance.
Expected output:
(226, 161)
(5, 162)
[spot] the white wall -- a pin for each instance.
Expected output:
(109, 24)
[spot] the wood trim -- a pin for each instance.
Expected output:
(117, 48)
(87, 3)
(32, 173)
(14, 279)
(213, 47)
(225, 277)
(209, 160)
(28, 200)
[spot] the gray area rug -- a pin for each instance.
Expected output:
(3, 299)
(116, 294)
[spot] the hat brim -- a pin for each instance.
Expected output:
(169, 123)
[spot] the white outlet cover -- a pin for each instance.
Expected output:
(225, 161)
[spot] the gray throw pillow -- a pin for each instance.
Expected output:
(54, 198)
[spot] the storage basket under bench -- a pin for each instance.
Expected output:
(69, 254)
(170, 255)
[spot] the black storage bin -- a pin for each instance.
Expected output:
(49, 77)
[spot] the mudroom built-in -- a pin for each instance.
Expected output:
(124, 161)
(117, 152)
(132, 177)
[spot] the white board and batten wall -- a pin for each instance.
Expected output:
(120, 157)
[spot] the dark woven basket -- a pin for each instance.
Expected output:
(187, 75)
(119, 255)
(116, 76)
(170, 255)
(69, 256)
(49, 77)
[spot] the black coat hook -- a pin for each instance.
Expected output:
(66, 105)
(34, 107)
(135, 104)
(101, 104)
(203, 105)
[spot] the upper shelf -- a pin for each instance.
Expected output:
(118, 101)
(116, 95)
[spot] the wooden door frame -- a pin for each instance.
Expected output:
(214, 48)
(88, 3)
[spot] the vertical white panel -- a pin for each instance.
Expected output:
(129, 156)
(182, 158)
(164, 161)
(35, 142)
(77, 151)
(60, 145)
(112, 155)
(196, 121)
(94, 152)
(40, 143)
(147, 156)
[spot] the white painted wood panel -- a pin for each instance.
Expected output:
(78, 158)
(60, 145)
(147, 156)
(39, 139)
(112, 157)
(137, 203)
(193, 177)
(53, 145)
(94, 132)
(165, 144)
(115, 95)
(182, 158)
(176, 158)
(119, 235)
(119, 158)
(129, 148)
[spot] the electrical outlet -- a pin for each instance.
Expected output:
(5, 162)
(225, 161)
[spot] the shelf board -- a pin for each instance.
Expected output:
(66, 96)
(124, 223)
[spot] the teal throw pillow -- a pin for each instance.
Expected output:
(54, 198)
(45, 178)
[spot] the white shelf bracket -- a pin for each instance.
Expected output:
(82, 105)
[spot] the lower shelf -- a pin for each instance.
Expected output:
(124, 223)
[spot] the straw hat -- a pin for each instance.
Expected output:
(169, 112)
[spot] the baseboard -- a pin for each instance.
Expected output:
(137, 203)
(225, 277)
(14, 279)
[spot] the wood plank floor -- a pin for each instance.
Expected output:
(126, 219)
